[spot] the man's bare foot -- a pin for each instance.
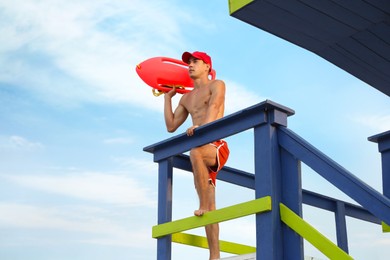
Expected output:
(199, 212)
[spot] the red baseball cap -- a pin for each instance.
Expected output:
(198, 55)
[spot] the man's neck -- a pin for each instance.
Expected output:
(200, 82)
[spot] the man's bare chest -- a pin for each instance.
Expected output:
(198, 99)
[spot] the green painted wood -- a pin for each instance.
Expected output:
(235, 5)
(224, 246)
(240, 210)
(385, 228)
(312, 235)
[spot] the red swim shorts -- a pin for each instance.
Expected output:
(222, 157)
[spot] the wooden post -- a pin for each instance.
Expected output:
(268, 182)
(164, 244)
(383, 141)
(292, 198)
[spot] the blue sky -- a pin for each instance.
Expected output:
(74, 118)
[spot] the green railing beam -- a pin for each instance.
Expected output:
(312, 235)
(385, 227)
(225, 246)
(240, 210)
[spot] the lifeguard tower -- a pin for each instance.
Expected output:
(354, 35)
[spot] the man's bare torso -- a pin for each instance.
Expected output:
(197, 103)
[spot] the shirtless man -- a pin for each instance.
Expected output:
(205, 104)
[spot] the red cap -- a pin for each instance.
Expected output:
(198, 55)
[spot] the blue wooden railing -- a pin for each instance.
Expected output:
(278, 153)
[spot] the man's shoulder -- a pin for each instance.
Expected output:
(217, 83)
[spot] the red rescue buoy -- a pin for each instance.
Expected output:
(162, 74)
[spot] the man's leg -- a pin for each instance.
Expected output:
(212, 231)
(202, 158)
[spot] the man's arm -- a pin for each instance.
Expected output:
(173, 119)
(216, 107)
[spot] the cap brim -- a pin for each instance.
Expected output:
(186, 57)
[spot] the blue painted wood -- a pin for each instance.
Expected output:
(386, 173)
(328, 203)
(246, 180)
(383, 141)
(331, 29)
(224, 127)
(277, 117)
(292, 198)
(164, 244)
(269, 243)
(341, 227)
(278, 153)
(366, 196)
(227, 174)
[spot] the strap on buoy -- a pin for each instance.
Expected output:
(157, 92)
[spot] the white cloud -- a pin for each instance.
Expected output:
(103, 228)
(378, 123)
(119, 140)
(16, 142)
(148, 167)
(105, 188)
(86, 51)
(24, 143)
(241, 230)
(238, 97)
(138, 164)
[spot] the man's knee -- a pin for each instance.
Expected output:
(195, 154)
